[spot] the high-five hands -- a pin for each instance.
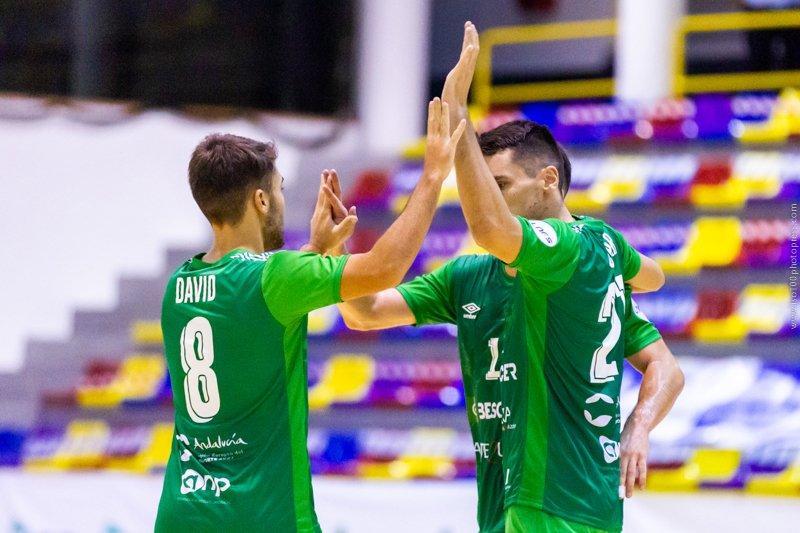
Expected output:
(458, 81)
(440, 144)
(331, 224)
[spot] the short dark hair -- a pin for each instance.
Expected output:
(529, 140)
(224, 169)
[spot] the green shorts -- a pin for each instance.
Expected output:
(523, 519)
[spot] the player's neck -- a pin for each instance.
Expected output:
(228, 238)
(564, 214)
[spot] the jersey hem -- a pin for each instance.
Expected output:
(643, 343)
(337, 284)
(569, 518)
(411, 305)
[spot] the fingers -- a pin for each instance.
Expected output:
(642, 473)
(431, 119)
(445, 131)
(623, 472)
(630, 478)
(345, 228)
(336, 204)
(321, 193)
(459, 131)
(333, 183)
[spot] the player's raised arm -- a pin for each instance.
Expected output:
(490, 222)
(390, 258)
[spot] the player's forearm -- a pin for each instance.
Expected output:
(484, 208)
(649, 278)
(392, 256)
(357, 313)
(662, 382)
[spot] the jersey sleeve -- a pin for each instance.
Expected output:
(294, 283)
(638, 330)
(631, 261)
(550, 251)
(430, 297)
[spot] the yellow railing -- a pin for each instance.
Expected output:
(734, 81)
(485, 94)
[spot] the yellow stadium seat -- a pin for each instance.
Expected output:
(83, 446)
(323, 320)
(731, 194)
(774, 130)
(731, 329)
(784, 121)
(717, 241)
(146, 332)
(374, 470)
(765, 308)
(96, 396)
(346, 379)
(786, 483)
(705, 465)
(154, 456)
(588, 200)
(712, 242)
(681, 479)
(623, 177)
(759, 174)
(427, 455)
(140, 376)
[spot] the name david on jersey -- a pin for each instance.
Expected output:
(195, 289)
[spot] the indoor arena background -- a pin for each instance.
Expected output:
(682, 120)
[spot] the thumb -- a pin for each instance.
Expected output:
(459, 130)
(346, 226)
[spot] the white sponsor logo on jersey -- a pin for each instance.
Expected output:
(472, 310)
(610, 449)
(193, 481)
(544, 232)
(601, 420)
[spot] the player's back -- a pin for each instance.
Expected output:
(560, 443)
(234, 339)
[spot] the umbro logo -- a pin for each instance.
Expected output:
(472, 310)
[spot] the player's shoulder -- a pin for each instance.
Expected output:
(472, 263)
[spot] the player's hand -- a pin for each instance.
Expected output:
(458, 81)
(331, 224)
(634, 447)
(338, 211)
(440, 145)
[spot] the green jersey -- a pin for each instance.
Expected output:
(473, 292)
(235, 343)
(561, 435)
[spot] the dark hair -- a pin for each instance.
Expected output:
(224, 169)
(529, 140)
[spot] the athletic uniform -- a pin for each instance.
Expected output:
(472, 292)
(235, 343)
(561, 435)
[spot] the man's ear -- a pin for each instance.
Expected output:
(261, 201)
(550, 177)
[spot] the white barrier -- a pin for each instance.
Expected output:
(106, 501)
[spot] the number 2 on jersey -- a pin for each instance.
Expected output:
(197, 356)
(601, 370)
